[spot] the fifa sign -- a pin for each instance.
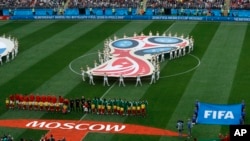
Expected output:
(219, 114)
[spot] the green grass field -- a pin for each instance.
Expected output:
(47, 48)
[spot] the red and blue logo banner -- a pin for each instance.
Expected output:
(219, 114)
(130, 56)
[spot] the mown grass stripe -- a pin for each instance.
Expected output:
(29, 28)
(6, 28)
(240, 88)
(165, 85)
(151, 93)
(175, 86)
(27, 63)
(129, 30)
(131, 92)
(242, 77)
(75, 81)
(212, 81)
(155, 94)
(75, 49)
(43, 34)
(3, 23)
(31, 56)
(179, 83)
(176, 27)
(62, 88)
(65, 43)
(219, 77)
(182, 30)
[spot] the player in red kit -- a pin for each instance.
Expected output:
(20, 103)
(25, 102)
(144, 107)
(37, 101)
(17, 100)
(41, 103)
(49, 98)
(53, 103)
(31, 101)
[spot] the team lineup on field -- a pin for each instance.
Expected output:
(52, 53)
(50, 103)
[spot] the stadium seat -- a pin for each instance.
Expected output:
(216, 13)
(25, 12)
(71, 12)
(108, 11)
(149, 12)
(121, 12)
(43, 12)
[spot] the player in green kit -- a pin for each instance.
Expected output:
(99, 107)
(93, 105)
(121, 107)
(104, 106)
(114, 106)
(126, 103)
(134, 105)
(138, 108)
(129, 104)
(144, 106)
(109, 106)
(118, 106)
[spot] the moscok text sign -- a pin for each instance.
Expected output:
(77, 130)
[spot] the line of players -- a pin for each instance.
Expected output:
(37, 102)
(104, 106)
(98, 106)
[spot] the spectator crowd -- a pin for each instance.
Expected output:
(204, 4)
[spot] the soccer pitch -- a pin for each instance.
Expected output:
(217, 71)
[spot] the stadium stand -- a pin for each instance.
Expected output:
(237, 8)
